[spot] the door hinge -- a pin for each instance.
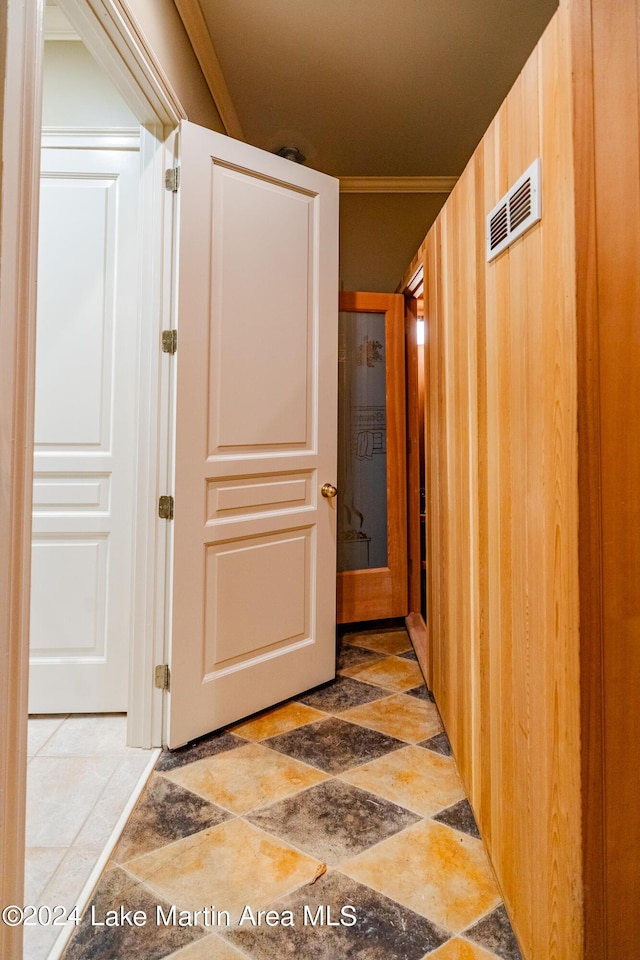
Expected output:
(172, 179)
(162, 676)
(169, 341)
(165, 508)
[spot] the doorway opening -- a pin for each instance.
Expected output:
(94, 524)
(417, 532)
(85, 437)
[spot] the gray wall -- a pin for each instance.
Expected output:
(379, 235)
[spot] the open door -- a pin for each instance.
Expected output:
(254, 539)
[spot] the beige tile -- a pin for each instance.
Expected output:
(61, 791)
(279, 720)
(394, 673)
(392, 641)
(246, 778)
(440, 873)
(70, 877)
(417, 779)
(210, 948)
(100, 823)
(90, 736)
(39, 730)
(63, 888)
(457, 949)
(40, 865)
(406, 718)
(227, 866)
(38, 941)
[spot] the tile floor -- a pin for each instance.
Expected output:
(80, 776)
(343, 805)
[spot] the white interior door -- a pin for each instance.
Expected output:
(84, 429)
(254, 539)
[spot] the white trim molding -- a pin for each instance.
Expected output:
(91, 138)
(397, 184)
(115, 40)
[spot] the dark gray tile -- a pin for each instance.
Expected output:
(460, 817)
(165, 812)
(495, 933)
(348, 656)
(149, 941)
(333, 821)
(342, 693)
(422, 692)
(408, 655)
(333, 745)
(198, 749)
(383, 930)
(439, 744)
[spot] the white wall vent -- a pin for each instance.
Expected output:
(518, 210)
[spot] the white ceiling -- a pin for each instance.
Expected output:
(373, 87)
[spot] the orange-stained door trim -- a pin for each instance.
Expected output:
(383, 592)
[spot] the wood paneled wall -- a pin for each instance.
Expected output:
(606, 57)
(502, 474)
(533, 487)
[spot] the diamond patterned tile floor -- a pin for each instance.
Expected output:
(333, 826)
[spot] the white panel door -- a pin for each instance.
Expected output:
(84, 430)
(254, 539)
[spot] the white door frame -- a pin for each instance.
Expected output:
(111, 35)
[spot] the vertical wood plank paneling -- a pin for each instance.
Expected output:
(528, 655)
(617, 164)
(502, 457)
(469, 217)
(562, 734)
(589, 485)
(522, 148)
(481, 732)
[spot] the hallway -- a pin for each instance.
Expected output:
(346, 798)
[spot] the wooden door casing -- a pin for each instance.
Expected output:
(382, 592)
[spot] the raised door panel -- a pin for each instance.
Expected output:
(254, 558)
(84, 436)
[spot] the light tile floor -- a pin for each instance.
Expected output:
(80, 776)
(345, 803)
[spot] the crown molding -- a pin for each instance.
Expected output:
(195, 24)
(397, 184)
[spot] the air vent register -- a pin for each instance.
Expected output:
(518, 210)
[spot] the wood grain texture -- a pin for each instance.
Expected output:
(532, 414)
(606, 49)
(502, 502)
(417, 630)
(382, 593)
(590, 491)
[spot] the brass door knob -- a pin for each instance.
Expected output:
(328, 490)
